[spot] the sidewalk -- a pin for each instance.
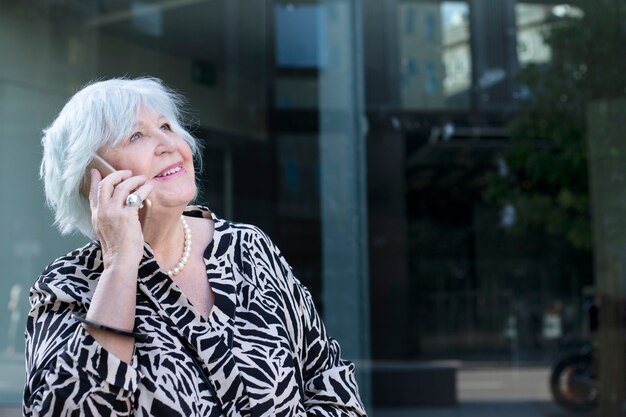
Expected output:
(494, 392)
(10, 411)
(483, 409)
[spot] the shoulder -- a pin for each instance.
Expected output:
(251, 248)
(248, 231)
(253, 239)
(71, 277)
(233, 235)
(255, 254)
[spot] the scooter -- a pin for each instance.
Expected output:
(574, 381)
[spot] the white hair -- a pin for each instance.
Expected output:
(101, 113)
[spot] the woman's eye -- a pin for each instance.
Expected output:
(166, 126)
(135, 136)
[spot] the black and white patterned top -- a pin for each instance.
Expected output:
(263, 349)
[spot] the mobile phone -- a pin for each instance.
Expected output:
(105, 169)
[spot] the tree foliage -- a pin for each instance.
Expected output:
(546, 177)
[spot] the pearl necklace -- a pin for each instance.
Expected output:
(186, 250)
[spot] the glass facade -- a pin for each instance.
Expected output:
(445, 176)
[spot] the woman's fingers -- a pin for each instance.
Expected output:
(126, 187)
(108, 195)
(144, 190)
(107, 185)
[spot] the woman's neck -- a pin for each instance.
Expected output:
(164, 233)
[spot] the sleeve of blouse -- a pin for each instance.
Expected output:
(68, 373)
(329, 381)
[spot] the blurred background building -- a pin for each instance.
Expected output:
(447, 177)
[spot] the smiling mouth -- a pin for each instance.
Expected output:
(169, 172)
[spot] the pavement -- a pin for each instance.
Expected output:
(12, 375)
(485, 391)
(483, 409)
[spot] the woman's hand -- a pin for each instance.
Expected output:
(116, 224)
(118, 228)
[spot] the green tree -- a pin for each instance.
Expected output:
(547, 173)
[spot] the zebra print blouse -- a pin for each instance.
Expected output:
(263, 351)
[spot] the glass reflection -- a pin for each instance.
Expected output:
(435, 56)
(532, 24)
(499, 281)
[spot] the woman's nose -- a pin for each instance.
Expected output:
(167, 143)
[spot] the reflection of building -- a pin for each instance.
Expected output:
(435, 58)
(445, 280)
(420, 41)
(457, 61)
(466, 276)
(532, 24)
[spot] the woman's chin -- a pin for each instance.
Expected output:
(173, 202)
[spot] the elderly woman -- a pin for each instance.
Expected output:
(184, 314)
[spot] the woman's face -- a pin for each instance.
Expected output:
(154, 150)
